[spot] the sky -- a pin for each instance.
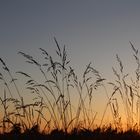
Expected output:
(92, 30)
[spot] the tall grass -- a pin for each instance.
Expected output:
(127, 87)
(54, 94)
(53, 103)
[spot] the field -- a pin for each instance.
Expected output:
(52, 113)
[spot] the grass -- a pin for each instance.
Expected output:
(96, 134)
(52, 115)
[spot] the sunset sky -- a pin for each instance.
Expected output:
(92, 30)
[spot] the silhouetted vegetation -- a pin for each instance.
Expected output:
(51, 113)
(82, 134)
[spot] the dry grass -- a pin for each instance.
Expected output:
(54, 97)
(54, 94)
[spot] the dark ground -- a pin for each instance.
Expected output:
(83, 134)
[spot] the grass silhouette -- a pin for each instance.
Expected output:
(53, 102)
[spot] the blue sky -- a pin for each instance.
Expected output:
(92, 30)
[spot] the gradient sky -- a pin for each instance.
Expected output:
(92, 30)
